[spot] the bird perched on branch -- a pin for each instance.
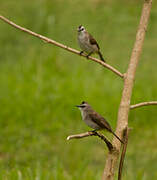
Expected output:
(87, 43)
(94, 120)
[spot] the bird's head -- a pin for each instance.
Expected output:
(81, 29)
(83, 106)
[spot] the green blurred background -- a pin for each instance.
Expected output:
(41, 83)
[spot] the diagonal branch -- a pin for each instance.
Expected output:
(143, 104)
(92, 133)
(45, 39)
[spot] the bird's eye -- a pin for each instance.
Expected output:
(84, 103)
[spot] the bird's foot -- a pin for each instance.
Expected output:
(104, 60)
(88, 55)
(93, 131)
(81, 53)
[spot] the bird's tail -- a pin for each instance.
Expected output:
(101, 56)
(117, 137)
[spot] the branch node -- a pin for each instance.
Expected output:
(124, 76)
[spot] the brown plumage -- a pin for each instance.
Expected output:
(93, 41)
(94, 120)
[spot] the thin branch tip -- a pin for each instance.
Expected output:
(143, 104)
(68, 138)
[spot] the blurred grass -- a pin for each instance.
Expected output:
(40, 84)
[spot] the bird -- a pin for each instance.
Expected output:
(94, 120)
(87, 43)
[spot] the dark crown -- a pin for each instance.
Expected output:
(80, 26)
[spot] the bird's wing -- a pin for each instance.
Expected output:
(100, 121)
(93, 41)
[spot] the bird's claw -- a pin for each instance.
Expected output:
(93, 131)
(81, 53)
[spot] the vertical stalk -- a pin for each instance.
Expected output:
(122, 122)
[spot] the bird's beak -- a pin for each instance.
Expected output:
(78, 106)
